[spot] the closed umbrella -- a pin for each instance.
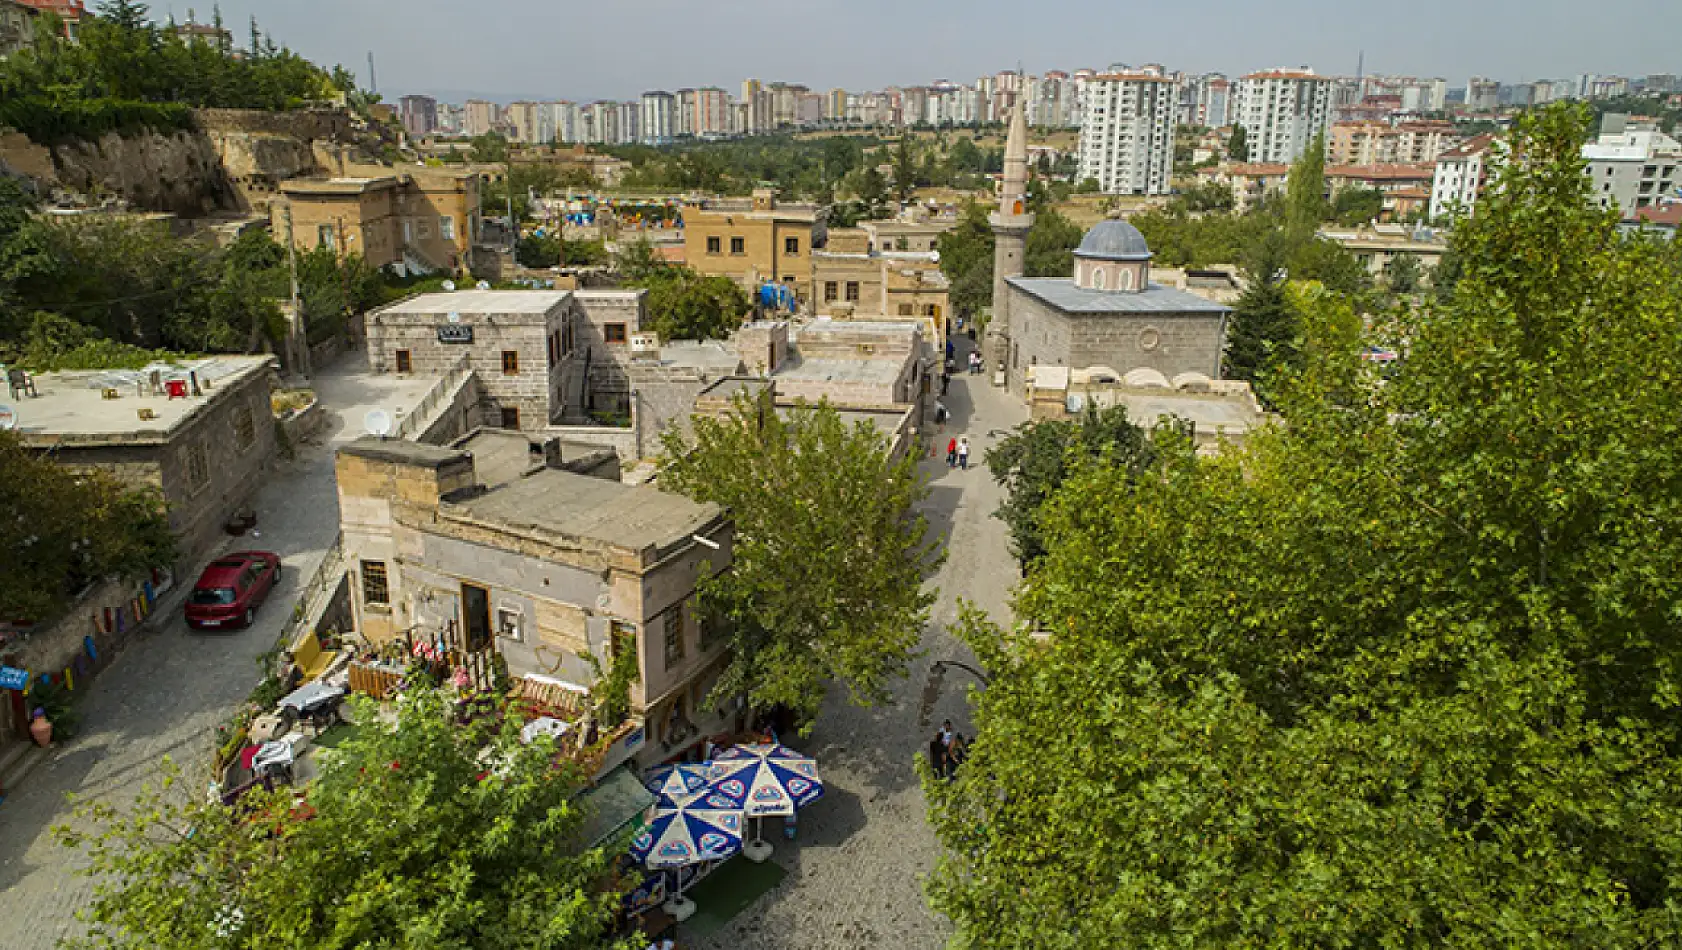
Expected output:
(770, 779)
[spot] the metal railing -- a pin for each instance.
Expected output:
(326, 575)
(413, 424)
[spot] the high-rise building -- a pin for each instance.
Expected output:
(712, 111)
(452, 119)
(1462, 173)
(533, 122)
(563, 119)
(1209, 101)
(1483, 95)
(627, 121)
(1127, 135)
(835, 105)
(659, 118)
(481, 117)
(419, 114)
(1282, 111)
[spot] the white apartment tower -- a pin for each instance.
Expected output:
(1282, 110)
(1462, 174)
(1127, 132)
(659, 117)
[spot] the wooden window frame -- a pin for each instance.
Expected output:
(374, 573)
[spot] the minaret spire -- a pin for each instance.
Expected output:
(1011, 224)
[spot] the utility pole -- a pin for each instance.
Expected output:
(299, 332)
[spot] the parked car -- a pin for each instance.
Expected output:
(231, 588)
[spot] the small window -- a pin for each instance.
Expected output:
(613, 332)
(905, 310)
(245, 431)
(931, 310)
(510, 362)
(510, 417)
(374, 587)
(738, 245)
(791, 246)
(508, 623)
(674, 637)
(198, 467)
(446, 227)
(324, 237)
(831, 290)
(404, 363)
(714, 245)
(423, 230)
(852, 291)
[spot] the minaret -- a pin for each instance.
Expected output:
(1010, 238)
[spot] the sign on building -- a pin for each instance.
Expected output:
(455, 333)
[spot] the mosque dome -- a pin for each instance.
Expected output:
(1114, 240)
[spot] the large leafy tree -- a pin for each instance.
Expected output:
(1263, 335)
(1305, 191)
(685, 305)
(64, 528)
(825, 582)
(1402, 673)
(1036, 459)
(966, 258)
(418, 833)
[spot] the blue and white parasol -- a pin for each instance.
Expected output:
(769, 779)
(705, 826)
(676, 782)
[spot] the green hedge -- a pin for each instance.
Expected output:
(54, 123)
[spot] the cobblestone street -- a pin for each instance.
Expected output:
(856, 873)
(168, 690)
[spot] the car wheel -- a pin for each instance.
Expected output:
(248, 616)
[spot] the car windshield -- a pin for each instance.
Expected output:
(213, 595)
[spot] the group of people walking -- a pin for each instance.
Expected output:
(957, 452)
(947, 751)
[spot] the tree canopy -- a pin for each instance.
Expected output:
(1401, 673)
(419, 833)
(826, 576)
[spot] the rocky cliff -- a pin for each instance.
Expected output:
(232, 161)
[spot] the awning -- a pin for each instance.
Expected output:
(613, 805)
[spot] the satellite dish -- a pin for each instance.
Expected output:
(8, 418)
(935, 255)
(449, 285)
(453, 317)
(377, 422)
(483, 285)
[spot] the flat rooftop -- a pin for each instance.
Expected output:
(593, 509)
(500, 455)
(402, 451)
(875, 372)
(71, 407)
(886, 421)
(479, 301)
(729, 386)
(1207, 411)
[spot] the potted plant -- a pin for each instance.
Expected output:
(52, 715)
(41, 727)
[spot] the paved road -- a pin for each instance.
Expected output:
(168, 690)
(856, 874)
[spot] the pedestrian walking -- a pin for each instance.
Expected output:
(956, 753)
(937, 755)
(974, 363)
(940, 413)
(951, 453)
(963, 453)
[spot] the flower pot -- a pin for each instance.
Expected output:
(42, 730)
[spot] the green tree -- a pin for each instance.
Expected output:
(418, 833)
(539, 251)
(638, 262)
(1305, 192)
(489, 148)
(66, 528)
(1238, 145)
(683, 305)
(1037, 457)
(966, 258)
(826, 575)
(905, 168)
(1264, 334)
(1401, 673)
(1357, 205)
(1402, 274)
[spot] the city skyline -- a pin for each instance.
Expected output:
(420, 51)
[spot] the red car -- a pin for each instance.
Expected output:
(230, 589)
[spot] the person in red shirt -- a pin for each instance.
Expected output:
(952, 453)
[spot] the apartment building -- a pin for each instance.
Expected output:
(1632, 165)
(1127, 133)
(419, 115)
(659, 118)
(1482, 95)
(1282, 111)
(1381, 143)
(1460, 176)
(480, 116)
(419, 221)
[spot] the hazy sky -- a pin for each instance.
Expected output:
(618, 48)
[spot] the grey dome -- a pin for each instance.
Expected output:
(1114, 240)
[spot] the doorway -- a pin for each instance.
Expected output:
(476, 616)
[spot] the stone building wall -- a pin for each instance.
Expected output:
(609, 382)
(1169, 343)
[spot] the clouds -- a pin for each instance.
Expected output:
(618, 48)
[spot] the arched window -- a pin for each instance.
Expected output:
(1098, 279)
(1125, 281)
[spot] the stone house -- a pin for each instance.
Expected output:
(416, 222)
(203, 450)
(859, 365)
(554, 567)
(1111, 315)
(854, 279)
(754, 243)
